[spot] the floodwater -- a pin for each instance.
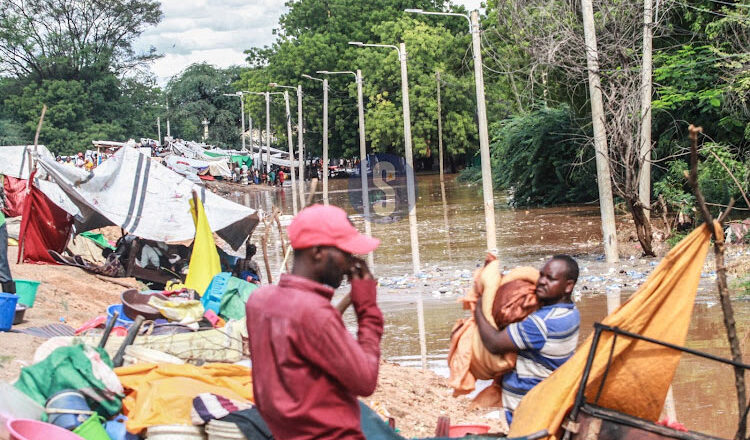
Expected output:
(452, 244)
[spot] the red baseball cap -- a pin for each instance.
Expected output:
(321, 225)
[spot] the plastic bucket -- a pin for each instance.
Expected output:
(68, 409)
(24, 429)
(122, 320)
(456, 431)
(26, 291)
(92, 429)
(8, 303)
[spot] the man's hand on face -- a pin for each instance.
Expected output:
(358, 270)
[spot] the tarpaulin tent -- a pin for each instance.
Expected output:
(216, 168)
(15, 159)
(44, 227)
(143, 197)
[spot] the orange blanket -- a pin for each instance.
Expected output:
(660, 309)
(506, 298)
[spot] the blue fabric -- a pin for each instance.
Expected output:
(546, 339)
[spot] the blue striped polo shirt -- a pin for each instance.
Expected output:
(545, 339)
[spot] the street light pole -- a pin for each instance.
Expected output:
(300, 146)
(268, 132)
(362, 155)
(411, 197)
(484, 139)
(301, 191)
(291, 151)
(325, 136)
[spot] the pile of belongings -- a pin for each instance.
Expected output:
(506, 298)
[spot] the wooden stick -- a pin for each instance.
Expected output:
(113, 281)
(721, 282)
(276, 215)
(264, 245)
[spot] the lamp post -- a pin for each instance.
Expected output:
(411, 197)
(291, 151)
(240, 94)
(484, 139)
(362, 154)
(325, 135)
(298, 89)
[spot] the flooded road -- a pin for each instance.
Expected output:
(452, 244)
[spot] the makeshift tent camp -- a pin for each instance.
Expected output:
(143, 197)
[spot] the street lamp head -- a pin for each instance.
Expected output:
(414, 11)
(273, 84)
(304, 75)
(230, 94)
(357, 43)
(325, 72)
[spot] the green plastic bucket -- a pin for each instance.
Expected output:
(26, 291)
(92, 429)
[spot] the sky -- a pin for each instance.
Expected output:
(214, 31)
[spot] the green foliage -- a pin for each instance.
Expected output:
(61, 39)
(313, 36)
(81, 111)
(197, 94)
(714, 181)
(537, 157)
(76, 58)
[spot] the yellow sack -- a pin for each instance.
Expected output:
(204, 261)
(660, 309)
(184, 312)
(163, 394)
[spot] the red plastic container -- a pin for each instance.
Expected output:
(456, 431)
(25, 429)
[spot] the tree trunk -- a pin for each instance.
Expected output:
(642, 225)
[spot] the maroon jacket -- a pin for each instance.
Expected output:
(307, 368)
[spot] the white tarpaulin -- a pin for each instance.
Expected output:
(216, 168)
(14, 160)
(144, 198)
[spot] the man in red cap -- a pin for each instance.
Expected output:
(307, 368)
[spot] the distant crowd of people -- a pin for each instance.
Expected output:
(87, 161)
(252, 176)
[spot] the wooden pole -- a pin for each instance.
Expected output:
(440, 128)
(721, 281)
(422, 335)
(603, 177)
(644, 177)
(264, 245)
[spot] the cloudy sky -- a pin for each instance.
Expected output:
(215, 31)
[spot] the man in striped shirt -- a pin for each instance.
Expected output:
(544, 340)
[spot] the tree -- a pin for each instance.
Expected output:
(197, 94)
(313, 36)
(64, 39)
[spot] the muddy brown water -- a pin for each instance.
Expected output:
(452, 243)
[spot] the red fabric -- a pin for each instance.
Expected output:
(307, 368)
(44, 227)
(328, 225)
(15, 194)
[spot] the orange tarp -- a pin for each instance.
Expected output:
(163, 394)
(641, 372)
(468, 360)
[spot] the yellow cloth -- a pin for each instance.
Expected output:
(185, 312)
(204, 262)
(163, 394)
(660, 309)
